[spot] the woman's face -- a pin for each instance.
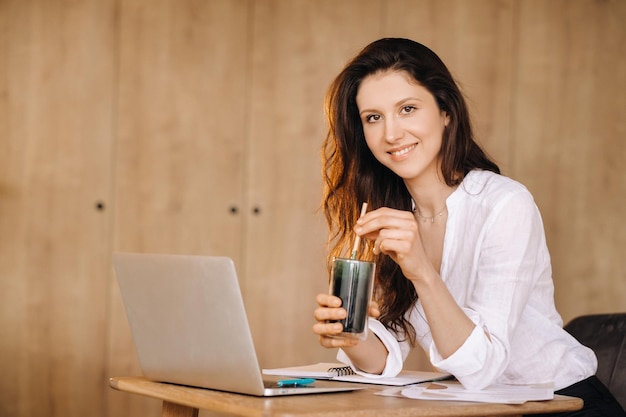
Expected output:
(402, 123)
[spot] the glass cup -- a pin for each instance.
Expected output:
(352, 280)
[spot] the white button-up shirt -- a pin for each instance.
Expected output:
(496, 265)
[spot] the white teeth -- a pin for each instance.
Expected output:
(404, 151)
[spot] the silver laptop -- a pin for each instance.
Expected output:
(189, 325)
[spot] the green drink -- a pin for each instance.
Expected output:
(353, 281)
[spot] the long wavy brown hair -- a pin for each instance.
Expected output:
(352, 175)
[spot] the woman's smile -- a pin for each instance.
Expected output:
(399, 153)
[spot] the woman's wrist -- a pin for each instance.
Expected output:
(369, 355)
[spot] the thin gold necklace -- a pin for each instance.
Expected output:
(432, 219)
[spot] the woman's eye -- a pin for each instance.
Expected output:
(407, 109)
(372, 118)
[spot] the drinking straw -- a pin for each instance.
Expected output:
(357, 239)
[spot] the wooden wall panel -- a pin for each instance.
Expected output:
(474, 39)
(568, 122)
(56, 101)
(180, 144)
(298, 48)
(181, 125)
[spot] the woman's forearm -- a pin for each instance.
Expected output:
(369, 355)
(449, 325)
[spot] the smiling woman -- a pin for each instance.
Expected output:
(463, 267)
(398, 114)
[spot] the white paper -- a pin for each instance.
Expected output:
(497, 393)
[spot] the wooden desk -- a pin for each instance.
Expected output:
(182, 401)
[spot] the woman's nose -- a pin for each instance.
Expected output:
(393, 130)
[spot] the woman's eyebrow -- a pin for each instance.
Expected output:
(399, 103)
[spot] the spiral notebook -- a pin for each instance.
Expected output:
(341, 372)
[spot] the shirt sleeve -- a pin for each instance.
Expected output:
(396, 352)
(512, 248)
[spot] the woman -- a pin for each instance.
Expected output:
(462, 263)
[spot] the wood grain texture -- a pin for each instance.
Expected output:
(177, 410)
(56, 119)
(568, 143)
(475, 41)
(298, 47)
(360, 403)
(181, 126)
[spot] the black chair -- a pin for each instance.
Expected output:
(605, 334)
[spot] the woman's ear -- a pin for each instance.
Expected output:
(446, 118)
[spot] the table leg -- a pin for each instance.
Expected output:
(178, 410)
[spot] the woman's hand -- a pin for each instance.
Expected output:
(395, 233)
(329, 309)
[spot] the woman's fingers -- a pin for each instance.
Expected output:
(328, 300)
(385, 218)
(327, 326)
(374, 310)
(329, 308)
(323, 314)
(387, 224)
(327, 333)
(327, 316)
(397, 249)
(326, 329)
(332, 342)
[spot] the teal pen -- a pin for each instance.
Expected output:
(295, 382)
